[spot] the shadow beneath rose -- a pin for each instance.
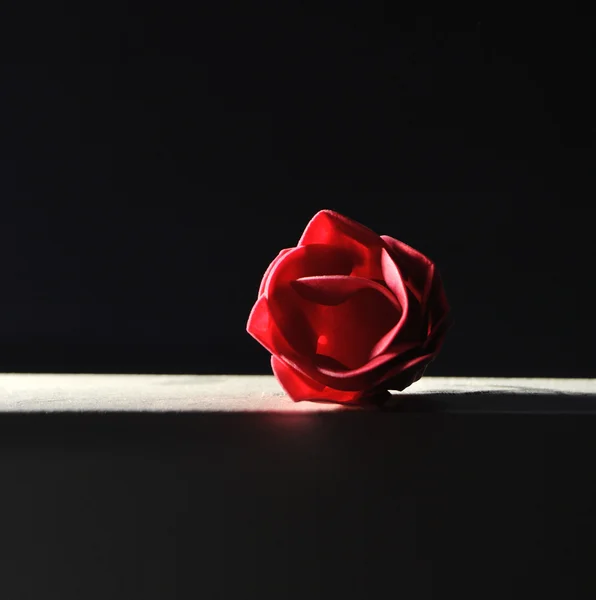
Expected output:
(513, 399)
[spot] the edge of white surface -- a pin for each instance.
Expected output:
(39, 392)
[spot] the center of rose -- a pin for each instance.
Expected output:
(347, 328)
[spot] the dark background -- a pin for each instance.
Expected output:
(153, 160)
(154, 157)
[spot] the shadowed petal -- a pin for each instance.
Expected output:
(405, 374)
(416, 269)
(437, 336)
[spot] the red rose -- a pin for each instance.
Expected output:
(348, 313)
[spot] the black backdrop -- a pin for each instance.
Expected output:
(153, 160)
(155, 157)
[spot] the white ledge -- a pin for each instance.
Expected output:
(28, 393)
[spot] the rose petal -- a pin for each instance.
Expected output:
(437, 336)
(360, 375)
(416, 269)
(363, 244)
(348, 315)
(378, 370)
(324, 227)
(270, 268)
(322, 361)
(263, 328)
(315, 259)
(365, 378)
(404, 375)
(428, 304)
(306, 261)
(394, 281)
(289, 316)
(300, 387)
(414, 326)
(330, 290)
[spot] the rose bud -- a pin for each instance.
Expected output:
(347, 314)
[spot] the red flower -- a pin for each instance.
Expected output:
(348, 313)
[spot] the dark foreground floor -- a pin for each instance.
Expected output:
(412, 504)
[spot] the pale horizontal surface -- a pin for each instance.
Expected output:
(256, 393)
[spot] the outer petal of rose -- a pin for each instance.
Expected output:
(315, 259)
(431, 309)
(329, 227)
(291, 321)
(393, 278)
(362, 379)
(416, 269)
(325, 226)
(300, 387)
(406, 378)
(414, 327)
(306, 261)
(437, 335)
(270, 268)
(263, 328)
(404, 375)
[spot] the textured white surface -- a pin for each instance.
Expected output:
(261, 393)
